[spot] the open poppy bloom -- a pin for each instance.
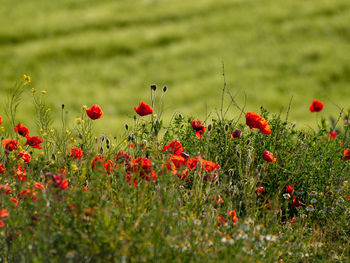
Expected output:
(0, 120)
(24, 156)
(10, 144)
(346, 155)
(268, 156)
(143, 109)
(174, 147)
(260, 190)
(289, 189)
(332, 134)
(255, 121)
(234, 217)
(22, 130)
(95, 112)
(77, 153)
(2, 169)
(316, 106)
(221, 221)
(34, 142)
(198, 127)
(97, 161)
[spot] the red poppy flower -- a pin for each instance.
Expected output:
(0, 120)
(289, 189)
(95, 112)
(297, 203)
(10, 144)
(76, 152)
(268, 156)
(178, 161)
(174, 147)
(64, 184)
(39, 186)
(22, 130)
(142, 166)
(14, 200)
(198, 127)
(316, 106)
(109, 165)
(234, 217)
(221, 221)
(5, 189)
(236, 134)
(260, 190)
(346, 155)
(4, 213)
(192, 162)
(255, 121)
(97, 161)
(20, 173)
(332, 134)
(143, 109)
(2, 169)
(24, 156)
(210, 166)
(34, 142)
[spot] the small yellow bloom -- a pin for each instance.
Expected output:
(78, 120)
(52, 131)
(58, 153)
(74, 167)
(43, 92)
(33, 90)
(67, 132)
(26, 79)
(84, 107)
(52, 162)
(2, 129)
(48, 110)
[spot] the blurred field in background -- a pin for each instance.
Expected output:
(109, 52)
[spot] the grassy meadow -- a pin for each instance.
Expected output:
(109, 52)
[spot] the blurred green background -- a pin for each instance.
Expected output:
(110, 52)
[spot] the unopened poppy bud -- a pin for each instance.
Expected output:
(135, 117)
(153, 87)
(226, 127)
(236, 133)
(62, 106)
(238, 154)
(165, 88)
(53, 156)
(180, 116)
(248, 142)
(102, 138)
(107, 146)
(101, 150)
(210, 126)
(107, 141)
(262, 143)
(126, 126)
(80, 136)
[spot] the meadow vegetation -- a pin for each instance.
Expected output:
(184, 190)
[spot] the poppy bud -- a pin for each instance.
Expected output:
(80, 136)
(180, 116)
(226, 127)
(236, 133)
(101, 150)
(107, 146)
(107, 141)
(165, 88)
(102, 138)
(153, 87)
(210, 126)
(134, 117)
(248, 141)
(126, 126)
(238, 154)
(53, 157)
(62, 106)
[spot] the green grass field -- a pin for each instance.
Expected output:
(109, 52)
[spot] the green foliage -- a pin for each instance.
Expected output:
(120, 211)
